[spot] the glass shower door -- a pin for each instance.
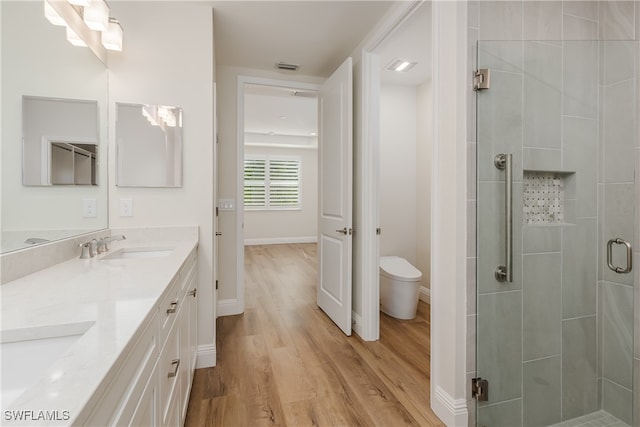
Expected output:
(557, 185)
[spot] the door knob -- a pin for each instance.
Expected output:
(343, 231)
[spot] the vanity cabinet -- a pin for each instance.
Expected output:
(152, 386)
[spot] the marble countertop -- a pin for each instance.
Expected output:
(112, 298)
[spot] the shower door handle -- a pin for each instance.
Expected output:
(504, 273)
(619, 241)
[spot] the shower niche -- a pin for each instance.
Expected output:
(545, 197)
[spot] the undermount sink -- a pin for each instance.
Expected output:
(136, 253)
(28, 353)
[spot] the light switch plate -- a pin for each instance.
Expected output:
(126, 207)
(89, 208)
(226, 204)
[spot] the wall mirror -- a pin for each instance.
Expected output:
(59, 141)
(39, 66)
(148, 145)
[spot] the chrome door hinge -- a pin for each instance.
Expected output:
(216, 285)
(480, 389)
(482, 79)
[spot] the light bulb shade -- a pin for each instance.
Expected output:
(83, 3)
(51, 14)
(96, 15)
(112, 37)
(73, 38)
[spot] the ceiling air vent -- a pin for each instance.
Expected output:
(287, 67)
(304, 93)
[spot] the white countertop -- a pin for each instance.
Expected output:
(115, 297)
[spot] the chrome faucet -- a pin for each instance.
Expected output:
(89, 249)
(103, 244)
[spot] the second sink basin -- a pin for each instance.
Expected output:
(132, 253)
(28, 353)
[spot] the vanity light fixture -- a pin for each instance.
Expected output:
(150, 112)
(401, 65)
(73, 38)
(96, 15)
(83, 3)
(112, 37)
(93, 15)
(52, 16)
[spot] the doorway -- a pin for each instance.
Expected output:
(264, 137)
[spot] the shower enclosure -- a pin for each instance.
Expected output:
(558, 234)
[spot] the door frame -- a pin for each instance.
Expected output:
(242, 81)
(366, 186)
(452, 331)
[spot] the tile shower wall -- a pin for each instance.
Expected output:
(618, 159)
(572, 135)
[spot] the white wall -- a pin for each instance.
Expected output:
(168, 59)
(398, 182)
(227, 78)
(405, 174)
(284, 226)
(424, 134)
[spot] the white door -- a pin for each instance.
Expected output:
(335, 189)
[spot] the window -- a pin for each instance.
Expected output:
(271, 183)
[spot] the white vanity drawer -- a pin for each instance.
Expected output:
(168, 311)
(120, 398)
(185, 273)
(169, 372)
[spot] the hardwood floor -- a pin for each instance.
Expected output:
(283, 362)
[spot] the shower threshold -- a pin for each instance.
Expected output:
(594, 419)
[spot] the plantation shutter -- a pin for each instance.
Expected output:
(284, 183)
(255, 173)
(271, 183)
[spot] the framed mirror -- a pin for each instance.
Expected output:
(148, 145)
(40, 67)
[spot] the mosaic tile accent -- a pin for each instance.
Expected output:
(595, 419)
(543, 199)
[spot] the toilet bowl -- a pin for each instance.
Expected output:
(399, 287)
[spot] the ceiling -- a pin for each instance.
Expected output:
(272, 110)
(411, 41)
(318, 35)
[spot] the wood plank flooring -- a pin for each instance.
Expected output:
(284, 363)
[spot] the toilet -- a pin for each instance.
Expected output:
(399, 287)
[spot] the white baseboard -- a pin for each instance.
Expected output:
(281, 240)
(425, 294)
(229, 307)
(206, 356)
(452, 412)
(356, 323)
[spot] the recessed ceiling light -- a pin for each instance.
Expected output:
(284, 117)
(401, 65)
